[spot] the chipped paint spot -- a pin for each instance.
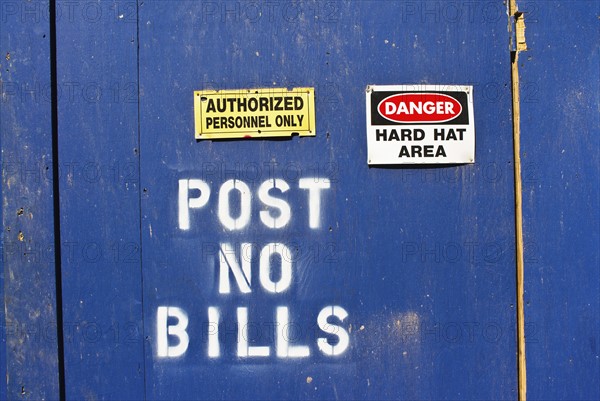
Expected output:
(408, 323)
(309, 379)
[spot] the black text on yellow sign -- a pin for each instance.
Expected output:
(254, 113)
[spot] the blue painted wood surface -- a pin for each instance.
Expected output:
(29, 356)
(560, 131)
(98, 153)
(422, 259)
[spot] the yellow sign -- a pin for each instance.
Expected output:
(254, 113)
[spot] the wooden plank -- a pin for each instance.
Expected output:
(561, 214)
(30, 365)
(98, 151)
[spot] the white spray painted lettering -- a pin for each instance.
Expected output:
(285, 212)
(284, 349)
(244, 350)
(228, 261)
(275, 271)
(186, 203)
(232, 189)
(339, 331)
(314, 186)
(163, 330)
(214, 316)
(285, 279)
(243, 219)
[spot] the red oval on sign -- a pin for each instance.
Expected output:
(419, 108)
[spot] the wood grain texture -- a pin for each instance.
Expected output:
(30, 362)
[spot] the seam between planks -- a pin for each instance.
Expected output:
(139, 164)
(518, 46)
(56, 203)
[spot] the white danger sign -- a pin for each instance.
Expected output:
(420, 124)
